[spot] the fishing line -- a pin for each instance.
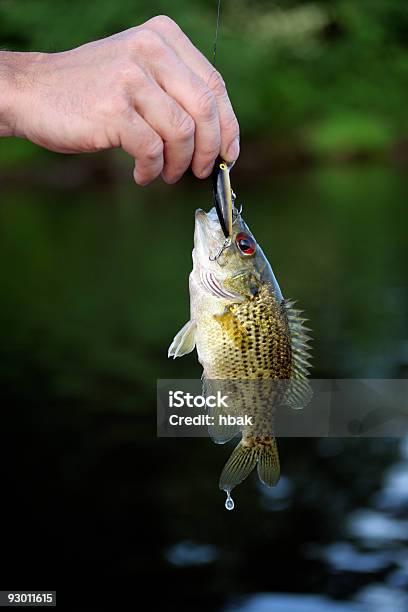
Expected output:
(223, 166)
(216, 32)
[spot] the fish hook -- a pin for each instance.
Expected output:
(225, 245)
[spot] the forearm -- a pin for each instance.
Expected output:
(15, 76)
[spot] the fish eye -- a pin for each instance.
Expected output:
(245, 243)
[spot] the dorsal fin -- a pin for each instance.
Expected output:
(299, 392)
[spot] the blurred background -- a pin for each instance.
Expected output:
(93, 288)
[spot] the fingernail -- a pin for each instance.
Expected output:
(233, 150)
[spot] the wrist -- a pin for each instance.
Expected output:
(15, 81)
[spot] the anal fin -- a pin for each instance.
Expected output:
(219, 430)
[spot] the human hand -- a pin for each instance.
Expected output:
(147, 90)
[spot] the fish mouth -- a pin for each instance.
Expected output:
(200, 229)
(208, 233)
(201, 224)
(209, 219)
(203, 217)
(200, 215)
(207, 224)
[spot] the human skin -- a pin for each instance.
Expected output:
(147, 90)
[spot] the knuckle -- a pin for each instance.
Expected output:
(164, 22)
(231, 125)
(153, 149)
(216, 83)
(184, 127)
(208, 151)
(147, 39)
(208, 155)
(206, 104)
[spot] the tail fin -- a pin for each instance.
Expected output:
(268, 463)
(245, 457)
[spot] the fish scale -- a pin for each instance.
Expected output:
(250, 340)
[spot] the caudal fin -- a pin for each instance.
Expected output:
(245, 457)
(268, 463)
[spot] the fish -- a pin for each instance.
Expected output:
(251, 342)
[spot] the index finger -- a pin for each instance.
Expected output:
(191, 56)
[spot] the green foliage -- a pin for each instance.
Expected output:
(340, 134)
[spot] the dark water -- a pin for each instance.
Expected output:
(93, 289)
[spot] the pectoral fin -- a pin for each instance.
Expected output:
(184, 341)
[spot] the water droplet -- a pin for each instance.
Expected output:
(229, 502)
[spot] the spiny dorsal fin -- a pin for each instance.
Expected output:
(299, 392)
